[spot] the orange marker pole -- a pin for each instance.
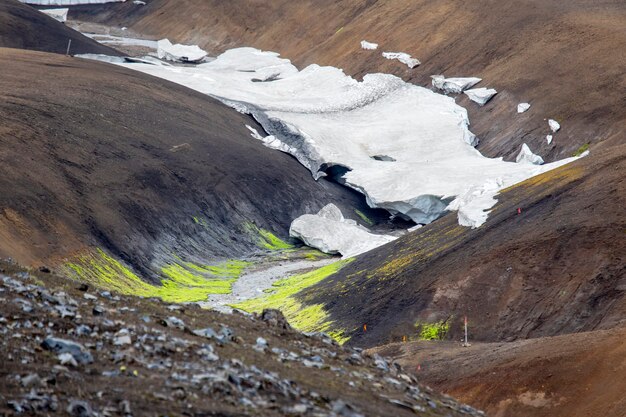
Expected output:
(365, 327)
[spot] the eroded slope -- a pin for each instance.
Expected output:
(153, 174)
(549, 260)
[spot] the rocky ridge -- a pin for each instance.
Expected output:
(70, 349)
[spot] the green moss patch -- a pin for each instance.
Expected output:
(364, 217)
(266, 239)
(283, 296)
(433, 331)
(200, 221)
(582, 149)
(183, 281)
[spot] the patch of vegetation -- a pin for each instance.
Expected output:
(364, 217)
(266, 239)
(314, 254)
(183, 282)
(199, 220)
(282, 296)
(582, 149)
(433, 331)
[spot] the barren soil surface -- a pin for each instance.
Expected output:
(574, 375)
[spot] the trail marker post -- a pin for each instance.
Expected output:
(69, 43)
(465, 343)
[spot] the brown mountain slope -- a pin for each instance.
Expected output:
(24, 27)
(575, 375)
(557, 267)
(97, 155)
(564, 57)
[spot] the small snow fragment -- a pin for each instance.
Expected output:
(522, 107)
(405, 58)
(549, 139)
(178, 52)
(254, 133)
(526, 156)
(554, 125)
(369, 45)
(481, 95)
(474, 204)
(139, 2)
(454, 85)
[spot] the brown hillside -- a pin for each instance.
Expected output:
(576, 375)
(558, 267)
(98, 155)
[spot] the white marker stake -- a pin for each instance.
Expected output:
(465, 330)
(465, 344)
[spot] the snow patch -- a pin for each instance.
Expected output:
(481, 95)
(403, 57)
(549, 139)
(121, 40)
(178, 52)
(369, 45)
(454, 85)
(526, 156)
(325, 118)
(331, 233)
(103, 58)
(522, 107)
(554, 125)
(57, 14)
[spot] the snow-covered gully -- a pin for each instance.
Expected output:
(324, 118)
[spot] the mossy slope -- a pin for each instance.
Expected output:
(181, 281)
(284, 296)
